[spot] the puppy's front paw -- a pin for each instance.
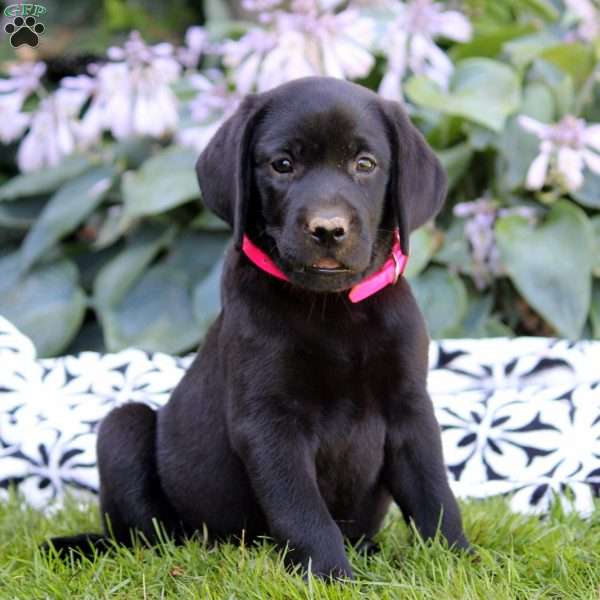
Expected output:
(461, 544)
(331, 569)
(366, 546)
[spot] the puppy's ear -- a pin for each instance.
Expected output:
(224, 168)
(418, 183)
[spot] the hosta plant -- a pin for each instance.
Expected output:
(104, 242)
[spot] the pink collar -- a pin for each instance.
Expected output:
(388, 274)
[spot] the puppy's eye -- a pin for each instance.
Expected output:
(364, 164)
(282, 165)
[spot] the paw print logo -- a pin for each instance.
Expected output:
(24, 31)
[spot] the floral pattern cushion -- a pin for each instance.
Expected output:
(518, 416)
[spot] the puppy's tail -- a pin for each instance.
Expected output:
(84, 544)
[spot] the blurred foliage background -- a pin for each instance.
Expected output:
(104, 243)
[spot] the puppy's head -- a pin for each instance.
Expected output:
(318, 172)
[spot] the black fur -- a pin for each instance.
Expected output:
(303, 415)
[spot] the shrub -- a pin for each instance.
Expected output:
(103, 240)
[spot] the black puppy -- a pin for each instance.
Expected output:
(304, 414)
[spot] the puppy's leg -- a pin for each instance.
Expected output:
(131, 497)
(85, 544)
(365, 546)
(366, 520)
(415, 474)
(282, 473)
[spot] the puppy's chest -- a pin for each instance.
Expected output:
(349, 454)
(327, 375)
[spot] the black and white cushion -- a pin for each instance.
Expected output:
(519, 416)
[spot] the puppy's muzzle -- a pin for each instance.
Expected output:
(328, 230)
(328, 226)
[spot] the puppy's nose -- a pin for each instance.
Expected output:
(327, 229)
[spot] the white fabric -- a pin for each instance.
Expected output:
(519, 416)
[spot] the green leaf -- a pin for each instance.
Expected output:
(9, 237)
(440, 130)
(496, 328)
(454, 250)
(589, 193)
(423, 244)
(559, 82)
(479, 322)
(21, 214)
(456, 161)
(596, 254)
(488, 42)
(480, 138)
(114, 226)
(155, 315)
(595, 310)
(116, 277)
(131, 152)
(89, 338)
(575, 58)
(208, 221)
(90, 262)
(65, 210)
(481, 90)
(538, 102)
(207, 298)
(551, 264)
(159, 309)
(443, 298)
(196, 252)
(46, 304)
(543, 8)
(164, 181)
(518, 149)
(478, 312)
(527, 48)
(44, 181)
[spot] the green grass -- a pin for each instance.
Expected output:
(518, 557)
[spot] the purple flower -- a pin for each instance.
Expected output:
(409, 46)
(565, 148)
(196, 44)
(24, 79)
(480, 218)
(13, 122)
(131, 94)
(587, 17)
(53, 131)
(310, 39)
(213, 104)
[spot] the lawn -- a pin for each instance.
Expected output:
(519, 557)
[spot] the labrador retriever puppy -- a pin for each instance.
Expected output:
(306, 411)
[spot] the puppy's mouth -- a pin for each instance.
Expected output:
(324, 275)
(327, 266)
